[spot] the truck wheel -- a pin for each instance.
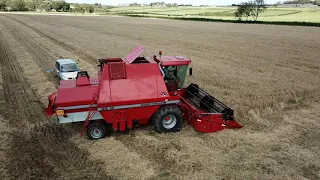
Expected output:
(167, 119)
(96, 130)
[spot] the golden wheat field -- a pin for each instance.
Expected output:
(269, 75)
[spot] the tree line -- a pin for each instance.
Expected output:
(159, 4)
(50, 5)
(33, 5)
(315, 2)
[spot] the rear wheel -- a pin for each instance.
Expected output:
(167, 119)
(96, 130)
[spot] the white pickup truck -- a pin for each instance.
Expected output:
(66, 69)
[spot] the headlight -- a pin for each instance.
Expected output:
(60, 112)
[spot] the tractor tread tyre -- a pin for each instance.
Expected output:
(162, 113)
(99, 125)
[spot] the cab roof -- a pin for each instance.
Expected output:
(65, 61)
(170, 60)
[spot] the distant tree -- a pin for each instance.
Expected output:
(60, 6)
(171, 5)
(278, 3)
(46, 5)
(251, 8)
(153, 3)
(66, 6)
(304, 2)
(134, 4)
(82, 8)
(156, 4)
(89, 8)
(33, 5)
(17, 5)
(259, 6)
(79, 8)
(244, 10)
(3, 5)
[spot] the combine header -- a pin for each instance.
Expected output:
(135, 91)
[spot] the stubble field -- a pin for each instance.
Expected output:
(268, 74)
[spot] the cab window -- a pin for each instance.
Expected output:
(175, 75)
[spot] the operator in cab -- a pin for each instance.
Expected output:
(171, 77)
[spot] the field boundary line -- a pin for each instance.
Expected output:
(287, 23)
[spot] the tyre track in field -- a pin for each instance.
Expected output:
(35, 150)
(67, 47)
(164, 151)
(17, 95)
(42, 56)
(4, 131)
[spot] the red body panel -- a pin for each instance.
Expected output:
(143, 113)
(122, 118)
(82, 81)
(139, 86)
(105, 93)
(134, 54)
(132, 89)
(49, 110)
(72, 83)
(137, 71)
(142, 101)
(75, 96)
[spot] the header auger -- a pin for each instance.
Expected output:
(138, 90)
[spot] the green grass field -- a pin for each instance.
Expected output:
(225, 13)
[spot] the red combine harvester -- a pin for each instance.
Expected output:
(135, 91)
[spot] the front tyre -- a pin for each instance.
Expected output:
(96, 130)
(167, 119)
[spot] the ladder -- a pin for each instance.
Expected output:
(92, 111)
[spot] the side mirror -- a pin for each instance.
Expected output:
(190, 71)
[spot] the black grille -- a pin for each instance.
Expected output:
(206, 102)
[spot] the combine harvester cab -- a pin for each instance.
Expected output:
(135, 91)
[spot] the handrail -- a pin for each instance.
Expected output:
(159, 64)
